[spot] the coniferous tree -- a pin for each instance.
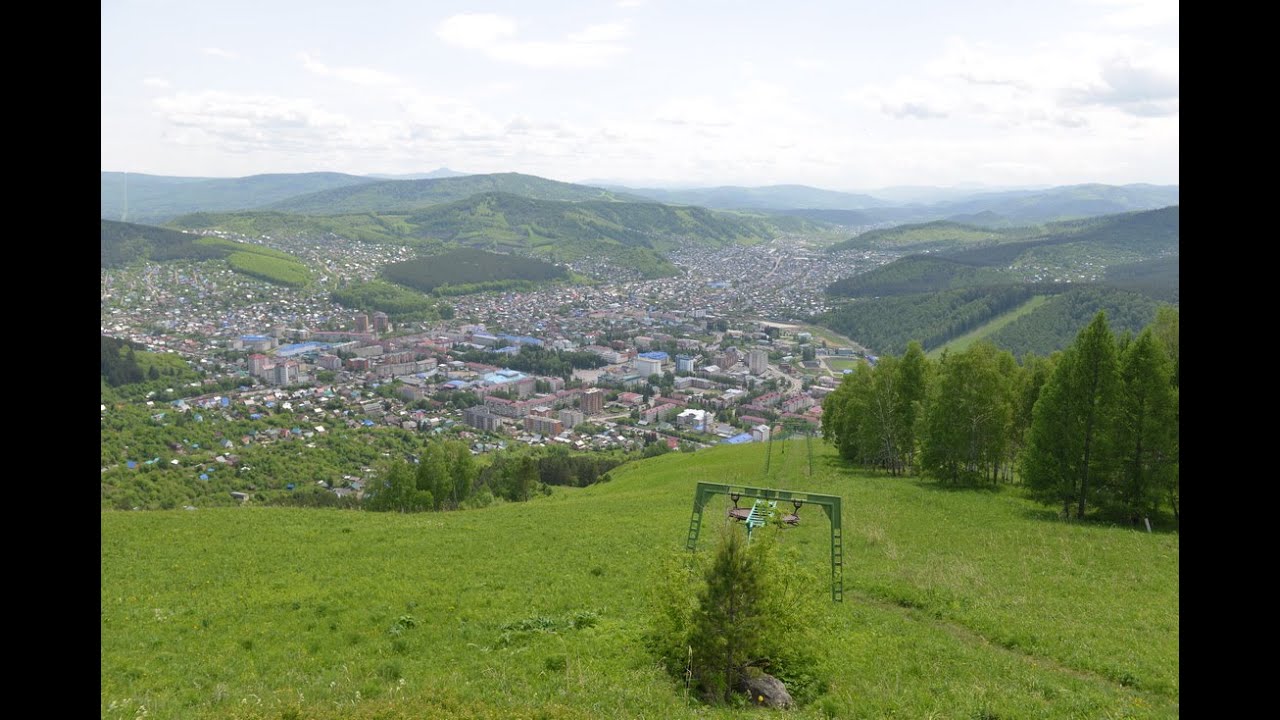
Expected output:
(1068, 453)
(729, 620)
(1146, 428)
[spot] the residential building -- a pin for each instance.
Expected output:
(543, 425)
(592, 401)
(482, 418)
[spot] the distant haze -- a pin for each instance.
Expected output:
(847, 95)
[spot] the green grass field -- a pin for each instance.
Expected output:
(840, 364)
(963, 342)
(957, 604)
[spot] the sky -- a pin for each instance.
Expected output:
(839, 94)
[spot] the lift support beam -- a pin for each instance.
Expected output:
(830, 504)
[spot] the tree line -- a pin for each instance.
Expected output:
(446, 476)
(1093, 427)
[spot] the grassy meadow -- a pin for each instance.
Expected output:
(957, 604)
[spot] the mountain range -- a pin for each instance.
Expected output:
(159, 199)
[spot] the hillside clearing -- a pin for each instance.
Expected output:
(958, 603)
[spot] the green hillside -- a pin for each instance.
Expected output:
(1053, 325)
(886, 325)
(626, 234)
(364, 227)
(158, 198)
(124, 243)
(965, 341)
(518, 221)
(923, 236)
(1157, 278)
(1148, 234)
(1125, 264)
(460, 270)
(957, 604)
(917, 274)
(401, 196)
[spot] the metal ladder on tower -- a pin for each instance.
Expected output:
(695, 524)
(837, 564)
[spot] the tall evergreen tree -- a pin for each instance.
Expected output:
(1146, 428)
(729, 621)
(1067, 451)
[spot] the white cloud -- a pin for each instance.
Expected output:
(810, 64)
(1139, 13)
(219, 52)
(248, 123)
(1062, 85)
(156, 82)
(1134, 87)
(631, 3)
(357, 75)
(494, 36)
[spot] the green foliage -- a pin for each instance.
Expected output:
(917, 274)
(625, 234)
(465, 270)
(1146, 442)
(538, 360)
(1053, 325)
(940, 233)
(1070, 446)
(918, 297)
(397, 490)
(399, 303)
(970, 411)
(716, 620)
(984, 332)
(866, 417)
(267, 267)
(125, 243)
(134, 372)
(890, 323)
(362, 227)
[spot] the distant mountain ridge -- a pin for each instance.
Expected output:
(434, 174)
(398, 196)
(160, 198)
(157, 199)
(771, 197)
(623, 234)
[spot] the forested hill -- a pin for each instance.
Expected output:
(623, 234)
(411, 195)
(156, 198)
(936, 234)
(1124, 264)
(122, 243)
(1065, 252)
(507, 218)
